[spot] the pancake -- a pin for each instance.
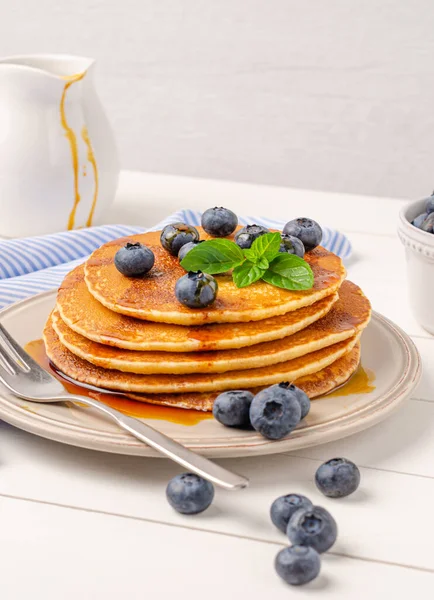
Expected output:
(348, 316)
(86, 316)
(85, 372)
(315, 385)
(152, 297)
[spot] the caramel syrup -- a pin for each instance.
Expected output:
(360, 383)
(142, 410)
(72, 139)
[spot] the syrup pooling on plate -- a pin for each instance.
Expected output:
(141, 410)
(359, 383)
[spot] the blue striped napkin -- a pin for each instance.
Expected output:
(32, 265)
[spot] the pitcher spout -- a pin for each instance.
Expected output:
(59, 66)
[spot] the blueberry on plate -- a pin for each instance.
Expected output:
(337, 478)
(189, 494)
(275, 411)
(313, 527)
(248, 234)
(219, 221)
(292, 245)
(301, 396)
(417, 222)
(185, 249)
(176, 235)
(196, 289)
(134, 260)
(306, 230)
(232, 408)
(428, 224)
(298, 565)
(429, 204)
(284, 507)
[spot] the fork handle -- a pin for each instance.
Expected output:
(167, 446)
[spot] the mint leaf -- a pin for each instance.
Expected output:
(213, 256)
(263, 263)
(289, 272)
(266, 246)
(247, 273)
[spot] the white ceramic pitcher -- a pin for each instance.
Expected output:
(58, 161)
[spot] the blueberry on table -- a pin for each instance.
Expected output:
(196, 289)
(428, 224)
(176, 235)
(298, 565)
(189, 494)
(219, 221)
(134, 260)
(232, 408)
(292, 245)
(306, 230)
(284, 507)
(245, 237)
(417, 222)
(275, 411)
(337, 478)
(313, 527)
(185, 249)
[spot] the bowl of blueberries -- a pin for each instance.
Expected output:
(416, 232)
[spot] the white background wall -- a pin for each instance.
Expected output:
(326, 94)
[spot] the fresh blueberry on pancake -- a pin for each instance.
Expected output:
(297, 565)
(232, 408)
(284, 507)
(176, 235)
(313, 527)
(134, 260)
(219, 221)
(196, 289)
(306, 230)
(248, 234)
(292, 245)
(185, 249)
(189, 494)
(337, 478)
(275, 411)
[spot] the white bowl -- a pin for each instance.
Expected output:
(419, 250)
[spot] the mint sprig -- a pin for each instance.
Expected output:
(261, 261)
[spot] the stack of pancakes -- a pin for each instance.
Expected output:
(132, 334)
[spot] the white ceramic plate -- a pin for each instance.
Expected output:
(386, 350)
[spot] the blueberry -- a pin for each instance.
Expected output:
(275, 411)
(196, 289)
(174, 236)
(284, 507)
(337, 478)
(292, 245)
(189, 494)
(185, 249)
(232, 408)
(429, 204)
(134, 260)
(219, 221)
(428, 224)
(303, 399)
(313, 527)
(248, 234)
(417, 222)
(306, 230)
(298, 564)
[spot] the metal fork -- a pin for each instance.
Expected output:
(22, 376)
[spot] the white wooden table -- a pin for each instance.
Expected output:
(77, 524)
